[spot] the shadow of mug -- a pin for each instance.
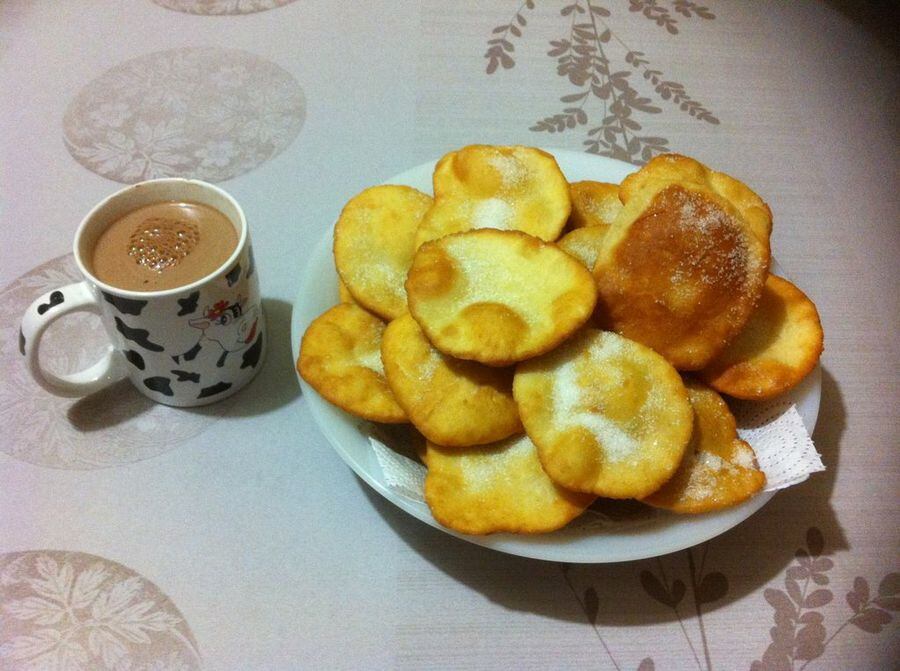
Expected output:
(274, 386)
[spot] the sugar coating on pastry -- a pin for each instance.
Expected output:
(779, 346)
(719, 470)
(497, 296)
(508, 188)
(680, 271)
(340, 357)
(609, 416)
(452, 402)
(584, 243)
(374, 242)
(593, 204)
(497, 487)
(677, 169)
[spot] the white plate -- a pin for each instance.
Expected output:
(629, 538)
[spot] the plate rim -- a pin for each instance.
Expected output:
(547, 547)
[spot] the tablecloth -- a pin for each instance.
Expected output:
(135, 536)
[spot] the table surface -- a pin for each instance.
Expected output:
(134, 536)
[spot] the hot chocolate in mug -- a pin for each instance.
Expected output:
(183, 346)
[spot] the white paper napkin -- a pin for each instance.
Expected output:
(784, 450)
(402, 474)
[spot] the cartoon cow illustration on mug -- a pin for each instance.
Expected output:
(227, 325)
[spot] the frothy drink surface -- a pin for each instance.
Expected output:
(163, 246)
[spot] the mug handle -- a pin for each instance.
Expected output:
(46, 310)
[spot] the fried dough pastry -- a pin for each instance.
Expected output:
(609, 416)
(452, 402)
(719, 470)
(483, 186)
(344, 295)
(497, 487)
(668, 169)
(593, 204)
(779, 346)
(374, 242)
(681, 271)
(497, 296)
(584, 243)
(340, 357)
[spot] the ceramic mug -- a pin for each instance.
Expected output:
(187, 346)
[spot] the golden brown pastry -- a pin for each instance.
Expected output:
(340, 357)
(344, 295)
(719, 469)
(682, 269)
(508, 188)
(374, 242)
(593, 204)
(609, 416)
(497, 296)
(497, 487)
(778, 347)
(584, 243)
(452, 402)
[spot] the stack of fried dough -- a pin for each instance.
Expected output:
(554, 342)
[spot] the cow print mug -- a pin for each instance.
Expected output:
(183, 346)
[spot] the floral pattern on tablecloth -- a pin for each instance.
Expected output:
(71, 611)
(110, 428)
(607, 94)
(208, 113)
(800, 634)
(214, 7)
